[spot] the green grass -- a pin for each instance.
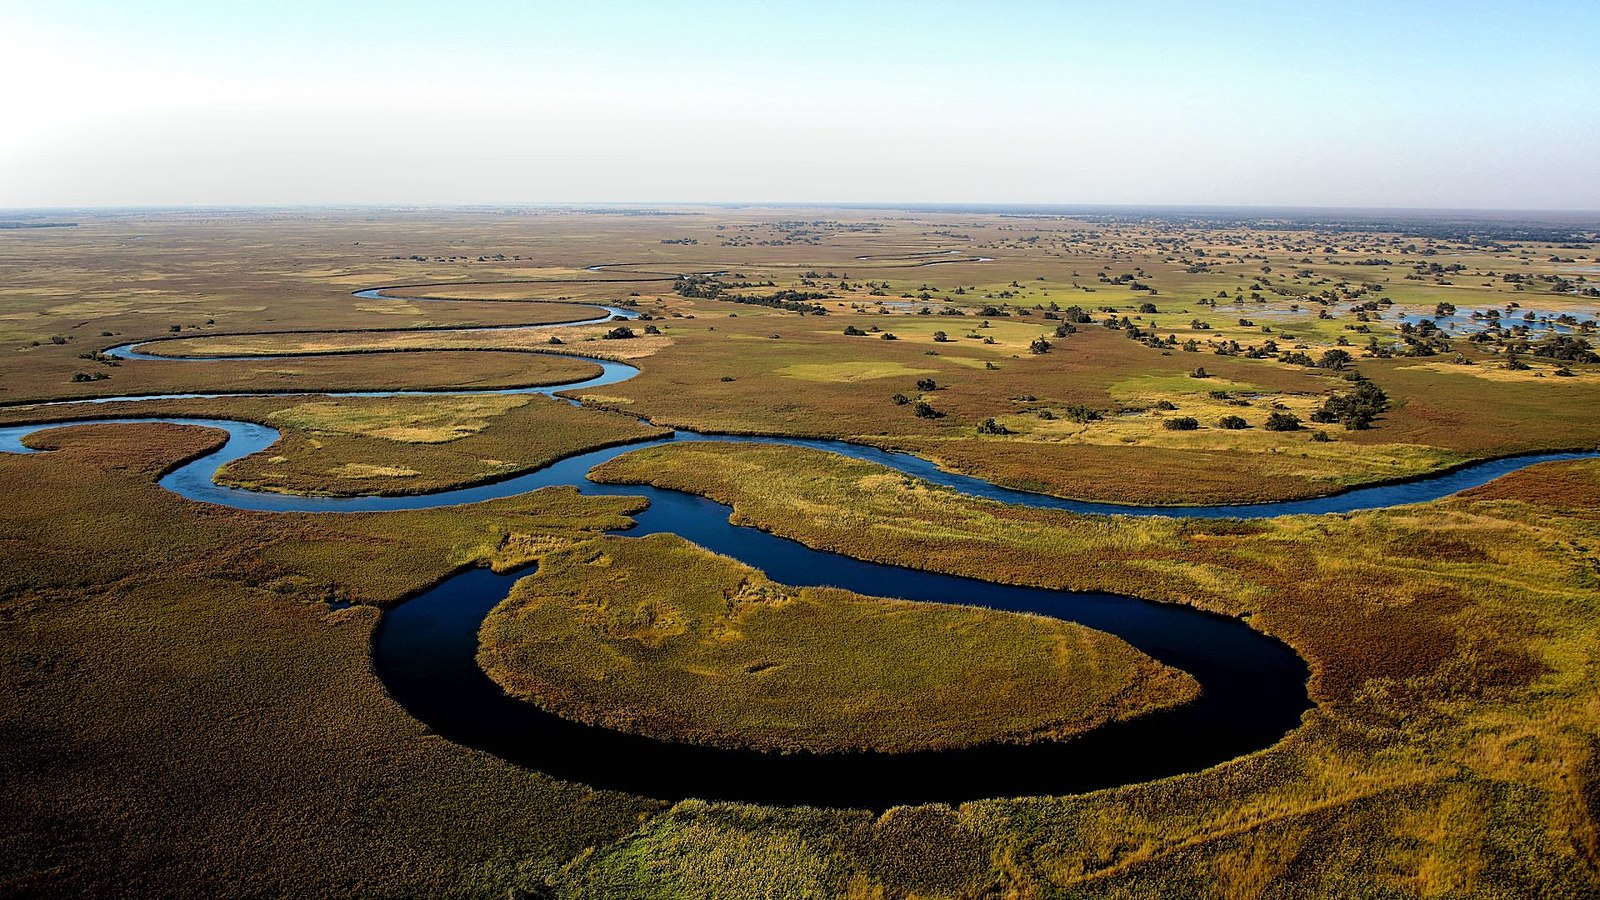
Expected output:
(657, 636)
(1450, 646)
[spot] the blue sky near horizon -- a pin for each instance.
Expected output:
(1239, 103)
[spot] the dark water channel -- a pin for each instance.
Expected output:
(1253, 686)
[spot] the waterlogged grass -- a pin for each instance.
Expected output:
(1451, 646)
(657, 636)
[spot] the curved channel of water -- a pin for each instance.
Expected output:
(1253, 686)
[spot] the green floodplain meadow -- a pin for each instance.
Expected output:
(188, 702)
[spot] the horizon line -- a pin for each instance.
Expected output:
(927, 206)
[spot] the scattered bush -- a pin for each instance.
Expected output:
(1181, 423)
(1232, 423)
(990, 426)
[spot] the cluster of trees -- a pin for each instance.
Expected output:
(1282, 421)
(1277, 421)
(1564, 347)
(1355, 410)
(707, 288)
(1422, 339)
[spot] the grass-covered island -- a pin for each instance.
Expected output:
(657, 636)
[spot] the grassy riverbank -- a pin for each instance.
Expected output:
(657, 636)
(185, 681)
(344, 446)
(371, 445)
(1450, 643)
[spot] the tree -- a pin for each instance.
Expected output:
(1355, 410)
(1181, 423)
(621, 332)
(1334, 359)
(853, 331)
(1199, 372)
(925, 410)
(1232, 423)
(1282, 421)
(940, 337)
(990, 426)
(927, 384)
(1039, 345)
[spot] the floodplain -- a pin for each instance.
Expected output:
(174, 671)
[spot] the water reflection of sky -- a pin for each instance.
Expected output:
(1544, 320)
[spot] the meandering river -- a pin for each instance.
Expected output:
(424, 650)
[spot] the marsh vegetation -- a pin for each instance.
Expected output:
(177, 673)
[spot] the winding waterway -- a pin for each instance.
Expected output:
(424, 650)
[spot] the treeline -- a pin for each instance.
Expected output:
(706, 288)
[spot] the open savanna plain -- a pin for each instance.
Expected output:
(189, 699)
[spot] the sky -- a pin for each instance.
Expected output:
(1450, 105)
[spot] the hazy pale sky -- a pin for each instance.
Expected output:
(1331, 104)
